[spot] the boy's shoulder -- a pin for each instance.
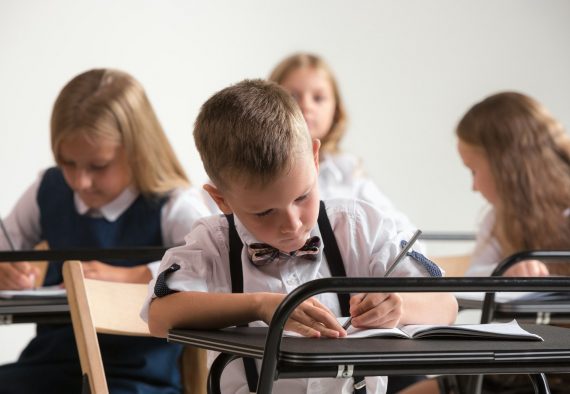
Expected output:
(189, 198)
(352, 209)
(214, 228)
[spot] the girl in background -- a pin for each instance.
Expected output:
(117, 184)
(311, 82)
(519, 156)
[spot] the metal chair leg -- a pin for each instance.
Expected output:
(539, 383)
(215, 375)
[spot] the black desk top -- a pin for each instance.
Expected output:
(396, 356)
(535, 311)
(34, 310)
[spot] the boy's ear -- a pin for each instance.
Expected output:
(218, 198)
(316, 147)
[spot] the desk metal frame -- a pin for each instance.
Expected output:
(274, 366)
(56, 310)
(489, 306)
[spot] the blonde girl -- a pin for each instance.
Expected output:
(312, 83)
(117, 184)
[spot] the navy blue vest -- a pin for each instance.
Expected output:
(134, 365)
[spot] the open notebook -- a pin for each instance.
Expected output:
(510, 330)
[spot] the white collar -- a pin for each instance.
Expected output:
(247, 238)
(112, 210)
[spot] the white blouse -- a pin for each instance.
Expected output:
(183, 208)
(487, 253)
(341, 176)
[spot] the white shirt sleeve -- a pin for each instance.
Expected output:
(487, 252)
(178, 216)
(372, 242)
(204, 262)
(23, 222)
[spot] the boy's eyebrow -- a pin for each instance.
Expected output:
(269, 209)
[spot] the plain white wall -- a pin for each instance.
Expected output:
(407, 70)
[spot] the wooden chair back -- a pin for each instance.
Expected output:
(113, 308)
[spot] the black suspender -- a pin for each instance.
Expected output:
(336, 267)
(332, 253)
(236, 274)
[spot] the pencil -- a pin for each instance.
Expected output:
(399, 258)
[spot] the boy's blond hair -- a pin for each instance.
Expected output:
(111, 104)
(250, 132)
(529, 156)
(330, 143)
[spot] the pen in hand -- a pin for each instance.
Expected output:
(24, 271)
(6, 235)
(399, 258)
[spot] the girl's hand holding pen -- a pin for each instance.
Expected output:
(376, 310)
(17, 276)
(311, 318)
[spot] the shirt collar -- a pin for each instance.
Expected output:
(112, 210)
(247, 238)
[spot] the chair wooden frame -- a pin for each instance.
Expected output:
(113, 308)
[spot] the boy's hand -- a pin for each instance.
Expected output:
(98, 270)
(18, 276)
(528, 268)
(310, 319)
(376, 310)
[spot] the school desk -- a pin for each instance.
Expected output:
(556, 312)
(54, 310)
(304, 357)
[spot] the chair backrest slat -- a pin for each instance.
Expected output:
(84, 328)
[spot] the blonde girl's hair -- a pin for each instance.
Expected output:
(529, 156)
(331, 142)
(111, 104)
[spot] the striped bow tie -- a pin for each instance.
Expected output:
(261, 254)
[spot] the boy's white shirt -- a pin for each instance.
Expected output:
(341, 176)
(368, 241)
(183, 208)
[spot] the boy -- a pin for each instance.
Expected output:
(263, 165)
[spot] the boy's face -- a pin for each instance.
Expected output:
(98, 171)
(281, 213)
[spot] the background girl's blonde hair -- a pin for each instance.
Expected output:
(330, 143)
(111, 104)
(529, 156)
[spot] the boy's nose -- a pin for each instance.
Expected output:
(291, 222)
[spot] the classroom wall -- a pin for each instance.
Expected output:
(407, 70)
